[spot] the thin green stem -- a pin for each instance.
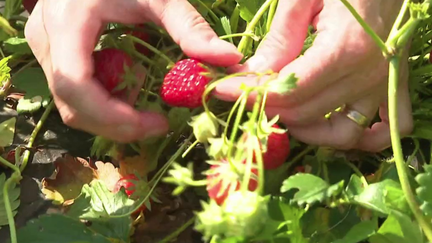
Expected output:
(300, 155)
(8, 207)
(366, 27)
(157, 177)
(260, 162)
(399, 19)
(397, 147)
(10, 165)
(144, 58)
(29, 64)
(236, 125)
(231, 114)
(251, 35)
(34, 134)
(151, 48)
(271, 14)
(251, 26)
(174, 234)
(358, 173)
(212, 14)
(190, 148)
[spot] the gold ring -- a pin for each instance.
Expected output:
(357, 117)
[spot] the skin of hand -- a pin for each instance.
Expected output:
(343, 67)
(63, 33)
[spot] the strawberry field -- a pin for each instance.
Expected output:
(225, 172)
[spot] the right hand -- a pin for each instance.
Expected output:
(63, 33)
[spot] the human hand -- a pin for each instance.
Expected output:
(63, 33)
(343, 67)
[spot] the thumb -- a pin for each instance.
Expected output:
(193, 34)
(285, 39)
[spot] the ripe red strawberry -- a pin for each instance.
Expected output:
(143, 36)
(185, 84)
(224, 178)
(128, 182)
(110, 66)
(278, 150)
(29, 5)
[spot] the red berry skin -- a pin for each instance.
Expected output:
(109, 68)
(214, 189)
(278, 150)
(184, 86)
(29, 5)
(127, 182)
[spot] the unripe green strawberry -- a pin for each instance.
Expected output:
(211, 221)
(204, 127)
(246, 214)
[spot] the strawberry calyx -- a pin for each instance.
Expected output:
(223, 180)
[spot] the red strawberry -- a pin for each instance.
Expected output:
(278, 150)
(128, 182)
(110, 68)
(223, 174)
(143, 36)
(29, 5)
(184, 84)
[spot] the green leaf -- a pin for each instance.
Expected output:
(4, 69)
(57, 228)
(398, 228)
(354, 187)
(177, 117)
(17, 45)
(283, 84)
(33, 82)
(290, 217)
(14, 193)
(394, 198)
(373, 198)
(311, 188)
(7, 132)
(424, 191)
(96, 203)
(226, 25)
(359, 232)
(248, 8)
(32, 105)
(11, 8)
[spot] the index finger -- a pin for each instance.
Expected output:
(81, 100)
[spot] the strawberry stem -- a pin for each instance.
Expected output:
(251, 35)
(244, 42)
(151, 48)
(367, 28)
(271, 14)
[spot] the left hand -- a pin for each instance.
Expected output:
(343, 67)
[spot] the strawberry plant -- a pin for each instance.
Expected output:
(227, 171)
